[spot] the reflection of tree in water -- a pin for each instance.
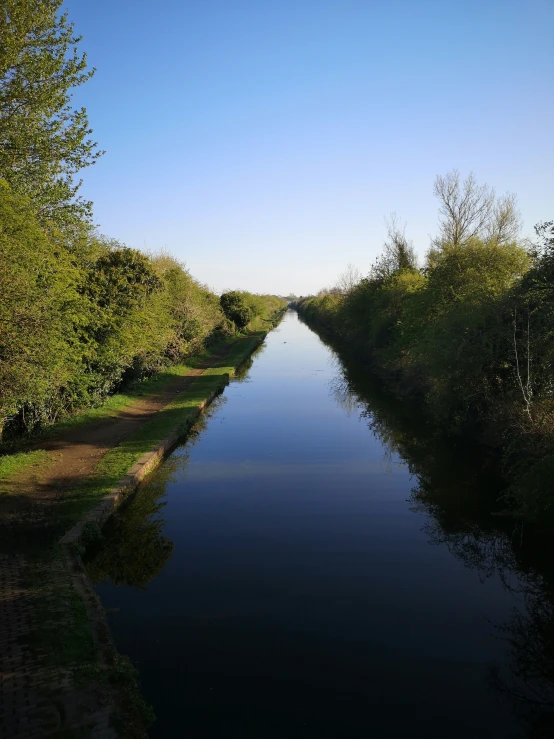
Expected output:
(457, 487)
(241, 372)
(133, 549)
(529, 681)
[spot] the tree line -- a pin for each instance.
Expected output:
(80, 314)
(470, 333)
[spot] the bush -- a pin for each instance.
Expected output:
(237, 307)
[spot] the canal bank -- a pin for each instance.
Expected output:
(313, 564)
(60, 671)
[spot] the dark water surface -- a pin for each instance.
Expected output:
(315, 562)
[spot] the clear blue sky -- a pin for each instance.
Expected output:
(263, 142)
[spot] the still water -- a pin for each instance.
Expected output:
(316, 562)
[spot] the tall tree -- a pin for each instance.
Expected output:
(465, 207)
(468, 211)
(44, 142)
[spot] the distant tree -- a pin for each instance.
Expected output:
(44, 142)
(348, 279)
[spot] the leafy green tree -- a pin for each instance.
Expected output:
(471, 335)
(237, 307)
(39, 306)
(463, 342)
(126, 324)
(44, 142)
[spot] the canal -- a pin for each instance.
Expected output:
(315, 561)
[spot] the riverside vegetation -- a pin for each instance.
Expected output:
(81, 317)
(470, 335)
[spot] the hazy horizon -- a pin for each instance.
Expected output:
(264, 144)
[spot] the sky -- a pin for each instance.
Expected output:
(263, 143)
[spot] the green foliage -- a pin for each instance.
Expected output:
(237, 307)
(472, 334)
(443, 330)
(461, 345)
(194, 310)
(44, 141)
(38, 308)
(241, 307)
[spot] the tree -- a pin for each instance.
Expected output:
(398, 252)
(44, 142)
(237, 307)
(545, 233)
(465, 209)
(505, 223)
(468, 211)
(38, 305)
(348, 279)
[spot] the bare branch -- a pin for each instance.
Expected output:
(466, 207)
(348, 279)
(505, 222)
(526, 389)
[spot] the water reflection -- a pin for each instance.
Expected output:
(457, 486)
(133, 549)
(241, 372)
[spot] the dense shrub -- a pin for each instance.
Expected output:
(238, 307)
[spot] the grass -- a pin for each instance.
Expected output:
(12, 464)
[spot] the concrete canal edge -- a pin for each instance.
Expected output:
(73, 543)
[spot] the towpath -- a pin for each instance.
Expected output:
(40, 696)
